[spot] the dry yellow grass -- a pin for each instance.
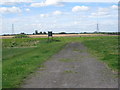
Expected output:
(60, 35)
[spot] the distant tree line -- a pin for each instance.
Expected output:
(39, 33)
(111, 33)
(42, 33)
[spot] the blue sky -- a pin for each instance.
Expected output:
(59, 16)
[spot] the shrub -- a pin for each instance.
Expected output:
(21, 36)
(62, 33)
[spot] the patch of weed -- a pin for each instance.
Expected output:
(66, 60)
(68, 71)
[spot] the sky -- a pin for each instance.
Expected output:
(58, 16)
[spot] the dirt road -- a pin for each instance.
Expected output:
(72, 67)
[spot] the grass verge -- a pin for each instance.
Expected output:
(20, 62)
(106, 49)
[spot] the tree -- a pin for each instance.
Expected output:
(44, 33)
(22, 33)
(41, 33)
(36, 32)
(62, 33)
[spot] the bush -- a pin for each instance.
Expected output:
(62, 33)
(21, 36)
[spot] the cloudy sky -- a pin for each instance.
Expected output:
(58, 15)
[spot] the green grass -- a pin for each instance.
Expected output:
(20, 42)
(24, 57)
(68, 71)
(66, 60)
(21, 36)
(0, 64)
(20, 62)
(106, 49)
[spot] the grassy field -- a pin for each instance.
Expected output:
(23, 56)
(0, 74)
(59, 35)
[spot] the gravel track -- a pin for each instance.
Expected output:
(72, 67)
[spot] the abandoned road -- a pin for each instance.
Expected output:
(72, 67)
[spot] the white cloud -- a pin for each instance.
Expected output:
(114, 7)
(109, 1)
(53, 2)
(5, 1)
(76, 22)
(62, 0)
(57, 13)
(50, 14)
(12, 2)
(44, 15)
(101, 12)
(27, 9)
(103, 9)
(37, 4)
(80, 8)
(47, 3)
(10, 10)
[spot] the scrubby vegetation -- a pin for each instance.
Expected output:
(21, 36)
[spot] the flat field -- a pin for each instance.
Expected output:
(60, 35)
(23, 56)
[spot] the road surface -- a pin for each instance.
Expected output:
(72, 67)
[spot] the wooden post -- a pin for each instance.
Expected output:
(48, 38)
(49, 35)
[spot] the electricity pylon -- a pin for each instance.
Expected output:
(12, 28)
